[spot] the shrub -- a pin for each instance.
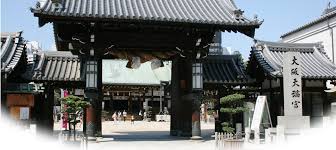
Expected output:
(232, 104)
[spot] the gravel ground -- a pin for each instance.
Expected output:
(148, 136)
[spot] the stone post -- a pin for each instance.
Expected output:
(280, 134)
(247, 134)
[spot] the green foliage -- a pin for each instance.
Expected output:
(232, 104)
(235, 110)
(227, 128)
(232, 99)
(73, 105)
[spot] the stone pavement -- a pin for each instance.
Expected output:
(149, 136)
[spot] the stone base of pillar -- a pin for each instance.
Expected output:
(91, 138)
(91, 129)
(294, 124)
(196, 138)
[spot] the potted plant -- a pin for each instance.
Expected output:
(231, 105)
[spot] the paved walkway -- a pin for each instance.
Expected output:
(149, 136)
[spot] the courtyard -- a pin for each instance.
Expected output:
(150, 135)
(147, 74)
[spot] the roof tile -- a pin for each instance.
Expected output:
(58, 66)
(220, 12)
(315, 63)
(12, 50)
(224, 69)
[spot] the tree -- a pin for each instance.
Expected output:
(73, 106)
(232, 104)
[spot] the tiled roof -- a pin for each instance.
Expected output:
(327, 15)
(12, 51)
(57, 66)
(61, 66)
(315, 63)
(209, 12)
(224, 69)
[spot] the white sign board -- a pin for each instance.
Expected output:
(79, 91)
(24, 113)
(258, 112)
(292, 84)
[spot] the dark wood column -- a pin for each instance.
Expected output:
(272, 104)
(144, 100)
(4, 110)
(281, 102)
(130, 105)
(187, 97)
(175, 94)
(181, 98)
(93, 118)
(45, 125)
(326, 101)
(100, 97)
(98, 118)
(152, 103)
(139, 98)
(164, 100)
(111, 102)
(222, 117)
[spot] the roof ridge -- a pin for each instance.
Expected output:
(281, 46)
(62, 54)
(329, 9)
(324, 54)
(12, 51)
(311, 23)
(12, 34)
(213, 12)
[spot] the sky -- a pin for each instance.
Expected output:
(280, 16)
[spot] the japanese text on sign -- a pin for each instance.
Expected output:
(292, 84)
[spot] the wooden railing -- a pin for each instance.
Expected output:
(228, 141)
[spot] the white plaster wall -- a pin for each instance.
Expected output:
(316, 33)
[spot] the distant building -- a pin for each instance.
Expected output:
(32, 48)
(17, 97)
(266, 66)
(323, 30)
(216, 47)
